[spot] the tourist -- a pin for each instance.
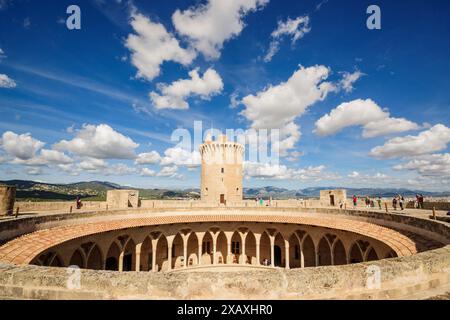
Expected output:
(367, 202)
(355, 200)
(379, 202)
(394, 203)
(421, 201)
(416, 202)
(341, 204)
(261, 202)
(401, 201)
(79, 203)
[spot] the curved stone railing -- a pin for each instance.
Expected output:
(419, 275)
(24, 249)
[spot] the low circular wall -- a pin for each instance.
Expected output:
(412, 275)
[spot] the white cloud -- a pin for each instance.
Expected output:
(118, 169)
(208, 26)
(45, 157)
(148, 158)
(34, 171)
(7, 82)
(354, 174)
(429, 141)
(367, 178)
(295, 28)
(366, 113)
(146, 172)
(234, 100)
(180, 157)
(92, 164)
(101, 142)
(348, 79)
(23, 147)
(152, 45)
(282, 172)
(276, 107)
(432, 165)
(174, 96)
(169, 172)
(388, 126)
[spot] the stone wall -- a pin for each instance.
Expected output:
(418, 276)
(121, 199)
(25, 206)
(7, 199)
(332, 198)
(429, 205)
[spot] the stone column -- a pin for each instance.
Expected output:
(272, 251)
(138, 257)
(243, 256)
(229, 236)
(169, 251)
(286, 253)
(121, 261)
(7, 199)
(185, 244)
(154, 248)
(258, 248)
(302, 257)
(214, 249)
(169, 256)
(200, 236)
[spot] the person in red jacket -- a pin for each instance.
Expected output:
(355, 201)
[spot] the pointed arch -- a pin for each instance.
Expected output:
(129, 256)
(250, 248)
(339, 254)
(371, 255)
(221, 248)
(95, 260)
(162, 254)
(309, 251)
(236, 247)
(192, 250)
(295, 254)
(324, 252)
(112, 257)
(265, 249)
(355, 254)
(207, 249)
(279, 251)
(177, 251)
(146, 254)
(77, 259)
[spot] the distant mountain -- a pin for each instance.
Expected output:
(314, 192)
(91, 190)
(96, 190)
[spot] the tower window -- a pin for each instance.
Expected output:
(223, 170)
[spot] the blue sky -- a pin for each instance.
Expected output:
(356, 107)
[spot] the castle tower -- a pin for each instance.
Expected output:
(222, 171)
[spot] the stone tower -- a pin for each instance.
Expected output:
(222, 171)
